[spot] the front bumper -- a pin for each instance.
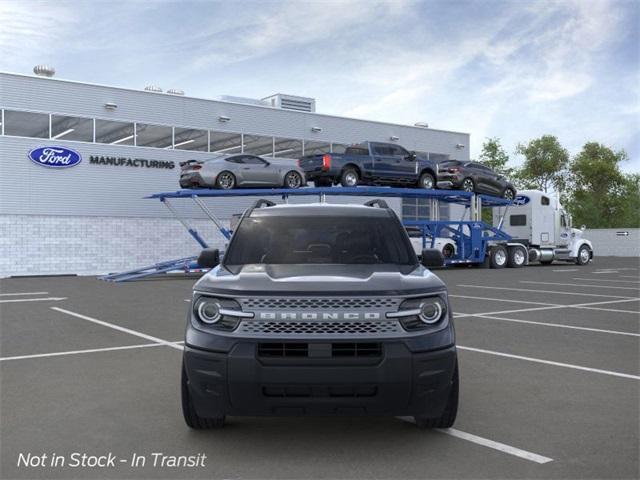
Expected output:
(393, 381)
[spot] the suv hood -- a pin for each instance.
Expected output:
(320, 279)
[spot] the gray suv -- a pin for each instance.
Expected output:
(319, 310)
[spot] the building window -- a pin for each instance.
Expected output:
(71, 128)
(258, 145)
(190, 139)
(225, 142)
(114, 133)
(157, 136)
(314, 148)
(26, 124)
(287, 148)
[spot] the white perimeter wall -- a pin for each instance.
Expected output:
(608, 242)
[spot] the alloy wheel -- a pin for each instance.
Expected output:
(226, 181)
(293, 180)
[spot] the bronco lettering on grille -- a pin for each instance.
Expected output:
(318, 316)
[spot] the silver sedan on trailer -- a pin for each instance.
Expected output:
(241, 170)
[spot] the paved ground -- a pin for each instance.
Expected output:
(549, 364)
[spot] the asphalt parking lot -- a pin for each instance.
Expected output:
(549, 367)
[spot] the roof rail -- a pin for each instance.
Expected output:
(258, 204)
(263, 203)
(376, 202)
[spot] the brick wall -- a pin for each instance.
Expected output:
(44, 245)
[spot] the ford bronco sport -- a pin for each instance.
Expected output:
(319, 309)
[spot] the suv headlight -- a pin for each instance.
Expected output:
(222, 313)
(417, 313)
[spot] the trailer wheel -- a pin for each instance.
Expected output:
(584, 255)
(448, 250)
(517, 257)
(499, 257)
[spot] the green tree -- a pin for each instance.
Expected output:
(494, 156)
(600, 195)
(544, 165)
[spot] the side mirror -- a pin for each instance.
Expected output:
(209, 258)
(412, 156)
(432, 257)
(583, 228)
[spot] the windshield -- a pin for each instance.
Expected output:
(320, 240)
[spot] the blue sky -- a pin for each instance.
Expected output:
(515, 69)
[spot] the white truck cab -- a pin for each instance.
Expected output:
(538, 221)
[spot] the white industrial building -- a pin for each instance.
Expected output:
(93, 218)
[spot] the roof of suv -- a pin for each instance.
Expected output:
(322, 209)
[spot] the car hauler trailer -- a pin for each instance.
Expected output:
(467, 241)
(538, 221)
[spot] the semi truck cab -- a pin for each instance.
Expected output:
(538, 221)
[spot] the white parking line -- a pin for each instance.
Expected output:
(502, 300)
(77, 352)
(581, 285)
(119, 328)
(604, 280)
(23, 293)
(20, 300)
(558, 325)
(551, 306)
(529, 290)
(485, 442)
(628, 276)
(549, 362)
(567, 270)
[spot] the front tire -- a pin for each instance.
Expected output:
(349, 178)
(448, 417)
(191, 417)
(293, 180)
(509, 194)
(468, 185)
(427, 181)
(226, 180)
(584, 255)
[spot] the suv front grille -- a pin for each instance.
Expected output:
(343, 350)
(319, 303)
(322, 328)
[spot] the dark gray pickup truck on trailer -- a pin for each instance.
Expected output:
(371, 163)
(320, 310)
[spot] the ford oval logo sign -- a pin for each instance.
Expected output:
(55, 157)
(521, 200)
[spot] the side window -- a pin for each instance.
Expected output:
(379, 149)
(238, 159)
(399, 151)
(518, 220)
(251, 160)
(544, 200)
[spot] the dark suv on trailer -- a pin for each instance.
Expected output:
(320, 310)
